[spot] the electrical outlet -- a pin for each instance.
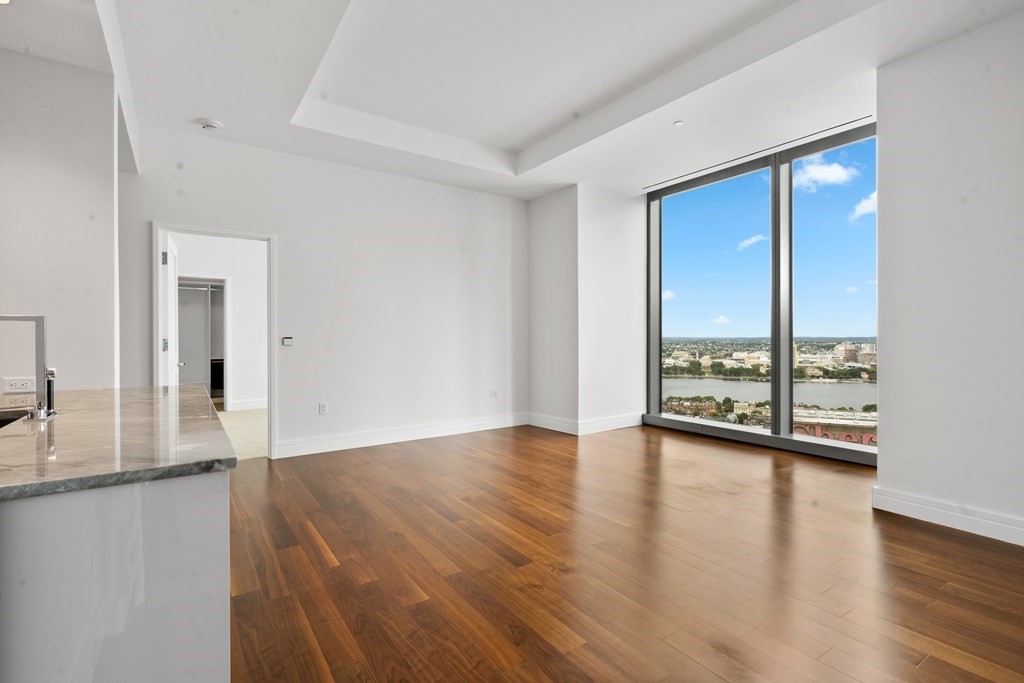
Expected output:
(16, 385)
(19, 401)
(494, 393)
(323, 408)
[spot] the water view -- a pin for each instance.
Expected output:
(829, 395)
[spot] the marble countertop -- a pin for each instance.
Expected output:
(112, 437)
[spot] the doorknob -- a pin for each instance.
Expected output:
(181, 365)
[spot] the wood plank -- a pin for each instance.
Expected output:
(639, 554)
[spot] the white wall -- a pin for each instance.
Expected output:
(406, 299)
(612, 309)
(243, 264)
(951, 273)
(57, 212)
(554, 311)
(588, 261)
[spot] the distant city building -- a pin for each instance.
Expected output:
(820, 360)
(845, 353)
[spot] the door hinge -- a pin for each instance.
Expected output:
(163, 258)
(164, 345)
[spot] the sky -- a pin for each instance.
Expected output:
(716, 270)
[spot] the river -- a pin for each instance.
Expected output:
(824, 394)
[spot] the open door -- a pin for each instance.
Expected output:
(241, 265)
(167, 362)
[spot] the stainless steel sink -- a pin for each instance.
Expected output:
(9, 415)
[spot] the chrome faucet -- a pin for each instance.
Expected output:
(42, 412)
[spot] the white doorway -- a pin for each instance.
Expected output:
(213, 322)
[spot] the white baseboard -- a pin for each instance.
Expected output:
(377, 437)
(982, 522)
(558, 424)
(604, 424)
(251, 404)
(581, 427)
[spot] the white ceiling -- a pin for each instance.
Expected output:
(65, 31)
(507, 74)
(482, 93)
(805, 89)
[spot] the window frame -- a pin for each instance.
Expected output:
(781, 434)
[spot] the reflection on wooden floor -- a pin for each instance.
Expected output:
(639, 554)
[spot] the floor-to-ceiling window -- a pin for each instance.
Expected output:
(716, 301)
(835, 395)
(763, 313)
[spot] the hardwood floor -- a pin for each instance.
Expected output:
(639, 554)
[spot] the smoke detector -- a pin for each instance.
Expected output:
(210, 124)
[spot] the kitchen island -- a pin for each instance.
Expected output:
(114, 539)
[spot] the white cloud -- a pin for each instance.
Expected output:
(720, 320)
(872, 282)
(750, 241)
(668, 295)
(814, 172)
(851, 290)
(865, 206)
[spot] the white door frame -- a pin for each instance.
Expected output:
(160, 229)
(165, 364)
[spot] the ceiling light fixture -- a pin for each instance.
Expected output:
(5, 2)
(208, 124)
(678, 123)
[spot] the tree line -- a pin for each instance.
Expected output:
(693, 368)
(718, 369)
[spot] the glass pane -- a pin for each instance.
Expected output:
(835, 317)
(716, 301)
